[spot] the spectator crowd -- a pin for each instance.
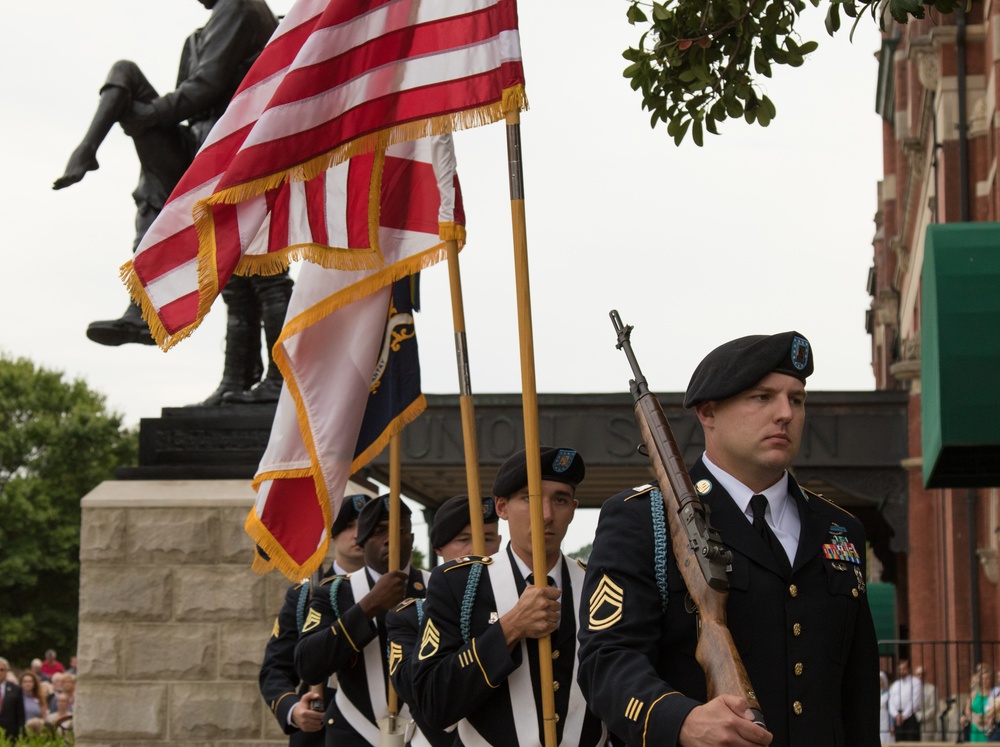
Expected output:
(913, 712)
(39, 698)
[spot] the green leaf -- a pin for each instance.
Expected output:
(833, 19)
(697, 133)
(632, 70)
(660, 13)
(681, 131)
(760, 64)
(635, 15)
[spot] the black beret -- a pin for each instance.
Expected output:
(558, 465)
(735, 366)
(350, 507)
(374, 512)
(453, 517)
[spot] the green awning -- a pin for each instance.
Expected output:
(960, 355)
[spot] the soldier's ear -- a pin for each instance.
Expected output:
(501, 507)
(706, 413)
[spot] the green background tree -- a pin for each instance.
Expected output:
(57, 442)
(697, 61)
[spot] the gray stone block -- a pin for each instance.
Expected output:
(124, 593)
(234, 544)
(170, 652)
(113, 712)
(218, 593)
(217, 710)
(102, 535)
(186, 534)
(98, 651)
(242, 650)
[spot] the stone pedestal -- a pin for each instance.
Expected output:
(173, 622)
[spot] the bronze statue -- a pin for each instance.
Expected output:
(167, 131)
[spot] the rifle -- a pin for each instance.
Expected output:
(701, 557)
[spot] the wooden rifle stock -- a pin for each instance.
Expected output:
(701, 557)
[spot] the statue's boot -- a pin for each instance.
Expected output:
(274, 303)
(242, 366)
(130, 328)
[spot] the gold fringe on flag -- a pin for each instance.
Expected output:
(364, 287)
(137, 291)
(407, 416)
(513, 99)
(254, 527)
(330, 257)
(451, 231)
(260, 566)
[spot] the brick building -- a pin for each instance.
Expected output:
(937, 96)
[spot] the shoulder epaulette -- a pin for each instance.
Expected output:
(468, 560)
(807, 493)
(580, 563)
(330, 579)
(828, 501)
(640, 490)
(405, 603)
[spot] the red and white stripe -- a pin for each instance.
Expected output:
(329, 349)
(339, 79)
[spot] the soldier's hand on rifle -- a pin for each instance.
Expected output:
(535, 615)
(725, 720)
(387, 592)
(304, 717)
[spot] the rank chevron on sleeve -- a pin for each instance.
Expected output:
(311, 621)
(395, 656)
(607, 594)
(430, 641)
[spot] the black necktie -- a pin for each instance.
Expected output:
(758, 504)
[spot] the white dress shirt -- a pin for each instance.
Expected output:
(782, 515)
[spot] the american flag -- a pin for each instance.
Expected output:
(348, 355)
(340, 80)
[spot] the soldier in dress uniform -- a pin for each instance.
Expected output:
(451, 537)
(477, 661)
(290, 701)
(344, 631)
(797, 607)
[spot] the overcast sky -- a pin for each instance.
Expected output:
(760, 231)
